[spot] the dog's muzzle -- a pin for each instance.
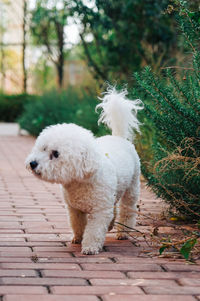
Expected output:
(33, 164)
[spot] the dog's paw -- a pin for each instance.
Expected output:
(122, 236)
(76, 240)
(90, 250)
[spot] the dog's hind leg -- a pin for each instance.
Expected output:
(78, 221)
(114, 217)
(128, 208)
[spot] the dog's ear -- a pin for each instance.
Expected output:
(90, 163)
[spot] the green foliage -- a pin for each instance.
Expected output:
(70, 106)
(144, 140)
(162, 249)
(172, 106)
(187, 247)
(43, 76)
(11, 106)
(184, 247)
(48, 21)
(125, 35)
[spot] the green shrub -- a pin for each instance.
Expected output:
(71, 106)
(172, 106)
(144, 140)
(12, 106)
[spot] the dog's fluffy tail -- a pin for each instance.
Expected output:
(119, 113)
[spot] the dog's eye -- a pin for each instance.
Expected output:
(55, 154)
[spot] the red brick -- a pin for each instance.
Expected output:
(57, 249)
(15, 290)
(54, 218)
(162, 275)
(29, 211)
(181, 267)
(18, 273)
(45, 230)
(105, 254)
(12, 236)
(9, 225)
(113, 297)
(12, 249)
(134, 282)
(60, 211)
(123, 249)
(42, 237)
(30, 244)
(9, 219)
(43, 281)
(54, 254)
(145, 260)
(41, 206)
(112, 241)
(30, 217)
(36, 224)
(5, 204)
(83, 274)
(78, 260)
(181, 290)
(49, 298)
(122, 267)
(190, 282)
(16, 253)
(15, 259)
(54, 266)
(11, 239)
(96, 290)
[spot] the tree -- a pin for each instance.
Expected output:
(43, 75)
(2, 52)
(121, 36)
(48, 21)
(172, 105)
(24, 43)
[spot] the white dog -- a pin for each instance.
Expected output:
(95, 173)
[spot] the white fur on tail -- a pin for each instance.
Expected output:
(119, 113)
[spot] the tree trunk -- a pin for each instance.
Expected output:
(2, 68)
(2, 48)
(60, 62)
(24, 47)
(60, 68)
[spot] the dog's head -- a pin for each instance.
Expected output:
(63, 153)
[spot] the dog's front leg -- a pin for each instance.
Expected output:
(78, 221)
(95, 231)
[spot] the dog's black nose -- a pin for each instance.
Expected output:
(33, 164)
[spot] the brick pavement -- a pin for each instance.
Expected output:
(37, 261)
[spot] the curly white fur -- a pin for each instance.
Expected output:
(95, 173)
(119, 113)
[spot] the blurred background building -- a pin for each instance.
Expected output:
(20, 58)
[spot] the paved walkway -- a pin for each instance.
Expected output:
(9, 129)
(38, 262)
